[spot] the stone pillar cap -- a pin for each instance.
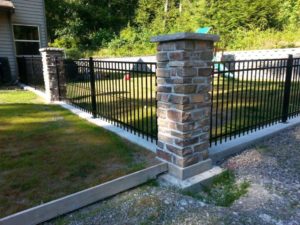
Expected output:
(185, 36)
(49, 49)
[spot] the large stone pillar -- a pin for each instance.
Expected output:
(53, 70)
(184, 67)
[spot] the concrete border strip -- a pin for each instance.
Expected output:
(99, 122)
(83, 198)
(108, 126)
(37, 92)
(224, 150)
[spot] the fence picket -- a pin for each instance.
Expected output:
(287, 89)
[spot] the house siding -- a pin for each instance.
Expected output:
(6, 44)
(31, 12)
(27, 12)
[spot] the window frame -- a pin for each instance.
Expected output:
(22, 40)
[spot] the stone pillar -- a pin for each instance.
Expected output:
(184, 66)
(54, 76)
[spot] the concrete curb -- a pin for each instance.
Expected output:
(224, 150)
(98, 121)
(37, 92)
(117, 130)
(80, 199)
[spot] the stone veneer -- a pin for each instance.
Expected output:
(184, 66)
(53, 71)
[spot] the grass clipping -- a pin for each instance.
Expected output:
(223, 191)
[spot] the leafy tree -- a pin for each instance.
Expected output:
(125, 27)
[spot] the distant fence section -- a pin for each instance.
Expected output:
(258, 54)
(123, 93)
(250, 94)
(31, 71)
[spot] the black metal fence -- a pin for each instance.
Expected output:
(250, 94)
(31, 71)
(123, 93)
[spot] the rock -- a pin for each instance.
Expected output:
(183, 202)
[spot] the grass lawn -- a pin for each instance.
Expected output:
(47, 152)
(131, 102)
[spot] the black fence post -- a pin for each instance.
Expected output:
(93, 89)
(23, 70)
(287, 89)
(1, 73)
(32, 80)
(57, 74)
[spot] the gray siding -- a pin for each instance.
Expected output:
(31, 12)
(27, 12)
(6, 44)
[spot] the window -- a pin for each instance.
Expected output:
(27, 40)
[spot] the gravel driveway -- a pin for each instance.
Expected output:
(272, 167)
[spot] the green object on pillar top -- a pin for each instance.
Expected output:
(203, 30)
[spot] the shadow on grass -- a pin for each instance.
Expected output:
(47, 152)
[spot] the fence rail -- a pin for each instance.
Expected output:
(123, 93)
(247, 95)
(31, 71)
(250, 94)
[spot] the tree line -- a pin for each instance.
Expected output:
(117, 27)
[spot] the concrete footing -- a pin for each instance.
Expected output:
(192, 184)
(190, 171)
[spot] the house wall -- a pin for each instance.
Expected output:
(31, 12)
(6, 44)
(27, 12)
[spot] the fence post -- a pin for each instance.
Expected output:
(54, 74)
(57, 77)
(287, 89)
(32, 80)
(184, 68)
(93, 92)
(1, 73)
(22, 68)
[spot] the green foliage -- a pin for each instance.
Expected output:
(124, 28)
(70, 46)
(223, 191)
(264, 39)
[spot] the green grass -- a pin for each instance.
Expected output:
(223, 191)
(47, 152)
(132, 102)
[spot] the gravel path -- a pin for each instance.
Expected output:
(272, 167)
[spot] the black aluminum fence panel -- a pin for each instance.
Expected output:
(294, 102)
(123, 93)
(251, 94)
(31, 71)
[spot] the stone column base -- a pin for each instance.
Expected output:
(191, 184)
(190, 171)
